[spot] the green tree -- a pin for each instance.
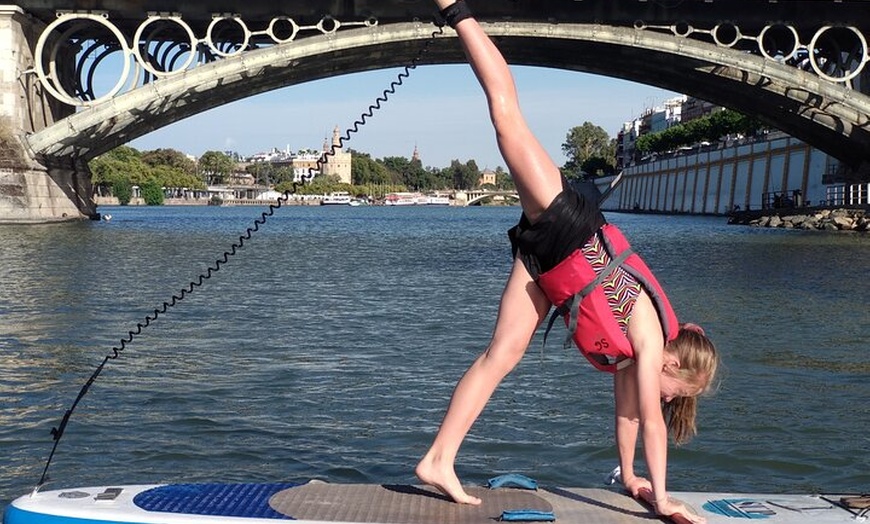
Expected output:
(122, 165)
(503, 179)
(152, 192)
(366, 170)
(711, 127)
(598, 166)
(123, 191)
(401, 171)
(465, 176)
(170, 158)
(584, 142)
(216, 166)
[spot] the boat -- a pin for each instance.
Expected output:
(337, 198)
(415, 199)
(401, 199)
(435, 200)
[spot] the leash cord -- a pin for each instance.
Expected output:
(58, 431)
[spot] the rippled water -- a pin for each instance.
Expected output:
(329, 346)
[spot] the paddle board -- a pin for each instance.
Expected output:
(318, 502)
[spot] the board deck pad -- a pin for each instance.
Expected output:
(228, 500)
(366, 503)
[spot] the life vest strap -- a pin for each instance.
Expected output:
(571, 306)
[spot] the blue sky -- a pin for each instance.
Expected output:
(440, 110)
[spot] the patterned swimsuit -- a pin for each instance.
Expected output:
(620, 288)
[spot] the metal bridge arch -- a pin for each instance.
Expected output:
(477, 197)
(830, 116)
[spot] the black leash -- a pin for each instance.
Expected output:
(57, 432)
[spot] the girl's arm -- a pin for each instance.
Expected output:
(645, 335)
(627, 421)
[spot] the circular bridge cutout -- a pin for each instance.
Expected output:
(71, 54)
(682, 29)
(328, 25)
(283, 29)
(779, 42)
(228, 35)
(726, 35)
(838, 53)
(168, 47)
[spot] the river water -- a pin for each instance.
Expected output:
(329, 345)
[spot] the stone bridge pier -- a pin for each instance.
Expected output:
(33, 189)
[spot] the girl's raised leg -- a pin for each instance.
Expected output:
(536, 176)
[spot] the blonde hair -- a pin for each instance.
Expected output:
(698, 364)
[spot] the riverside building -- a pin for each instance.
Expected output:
(717, 178)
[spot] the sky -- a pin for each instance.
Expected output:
(440, 110)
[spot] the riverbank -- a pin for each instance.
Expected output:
(819, 219)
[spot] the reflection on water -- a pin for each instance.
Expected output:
(329, 347)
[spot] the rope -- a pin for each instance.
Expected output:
(58, 431)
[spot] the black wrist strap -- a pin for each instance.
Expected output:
(455, 13)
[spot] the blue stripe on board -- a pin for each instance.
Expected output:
(224, 500)
(14, 515)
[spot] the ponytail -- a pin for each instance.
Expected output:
(680, 416)
(698, 364)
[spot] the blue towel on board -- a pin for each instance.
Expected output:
(512, 480)
(527, 515)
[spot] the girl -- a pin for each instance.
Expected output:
(565, 254)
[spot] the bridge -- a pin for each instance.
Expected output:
(799, 65)
(476, 197)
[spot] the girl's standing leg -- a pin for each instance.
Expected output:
(523, 307)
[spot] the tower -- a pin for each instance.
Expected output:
(339, 162)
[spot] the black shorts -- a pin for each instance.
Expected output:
(565, 226)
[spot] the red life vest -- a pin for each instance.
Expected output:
(575, 288)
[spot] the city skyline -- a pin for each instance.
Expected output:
(440, 110)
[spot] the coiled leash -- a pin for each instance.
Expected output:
(57, 432)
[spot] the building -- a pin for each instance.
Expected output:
(488, 176)
(694, 108)
(338, 161)
(306, 163)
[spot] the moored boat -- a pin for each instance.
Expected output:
(336, 198)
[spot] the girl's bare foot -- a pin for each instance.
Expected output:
(445, 480)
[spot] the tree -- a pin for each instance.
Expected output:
(711, 127)
(584, 142)
(465, 176)
(216, 166)
(400, 170)
(123, 191)
(152, 192)
(503, 180)
(596, 166)
(170, 158)
(366, 170)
